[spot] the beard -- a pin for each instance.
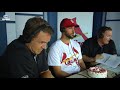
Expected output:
(70, 36)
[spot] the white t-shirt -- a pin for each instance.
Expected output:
(66, 56)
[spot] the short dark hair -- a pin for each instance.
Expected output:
(102, 30)
(33, 26)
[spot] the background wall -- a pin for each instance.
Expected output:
(22, 17)
(84, 20)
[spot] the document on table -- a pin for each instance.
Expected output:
(109, 60)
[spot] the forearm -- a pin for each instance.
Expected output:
(82, 65)
(57, 72)
(62, 74)
(88, 59)
(46, 74)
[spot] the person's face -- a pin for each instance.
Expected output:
(69, 32)
(39, 42)
(107, 37)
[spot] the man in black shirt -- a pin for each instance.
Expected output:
(25, 57)
(93, 47)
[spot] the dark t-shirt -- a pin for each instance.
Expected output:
(18, 61)
(91, 48)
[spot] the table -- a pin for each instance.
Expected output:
(112, 72)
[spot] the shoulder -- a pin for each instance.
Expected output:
(16, 44)
(73, 41)
(56, 44)
(16, 50)
(111, 42)
(90, 40)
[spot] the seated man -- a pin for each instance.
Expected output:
(25, 57)
(64, 57)
(93, 47)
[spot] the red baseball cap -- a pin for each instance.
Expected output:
(68, 23)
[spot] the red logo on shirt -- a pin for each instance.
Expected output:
(68, 61)
(75, 50)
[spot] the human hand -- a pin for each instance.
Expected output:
(93, 63)
(92, 59)
(99, 56)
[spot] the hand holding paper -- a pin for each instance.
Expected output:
(109, 60)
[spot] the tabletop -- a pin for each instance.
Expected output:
(112, 72)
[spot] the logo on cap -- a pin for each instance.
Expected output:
(72, 21)
(68, 23)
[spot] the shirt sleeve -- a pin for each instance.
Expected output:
(54, 56)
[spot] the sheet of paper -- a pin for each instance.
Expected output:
(109, 60)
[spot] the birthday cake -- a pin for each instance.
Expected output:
(97, 72)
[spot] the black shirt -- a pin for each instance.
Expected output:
(18, 62)
(91, 47)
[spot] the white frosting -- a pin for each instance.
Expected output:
(97, 72)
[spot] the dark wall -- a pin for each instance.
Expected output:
(52, 19)
(97, 22)
(3, 36)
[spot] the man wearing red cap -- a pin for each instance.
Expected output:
(64, 57)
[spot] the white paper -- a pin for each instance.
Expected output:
(109, 60)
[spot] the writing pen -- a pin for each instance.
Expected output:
(106, 59)
(96, 64)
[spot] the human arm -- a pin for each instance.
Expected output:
(58, 73)
(43, 66)
(82, 64)
(89, 50)
(88, 59)
(92, 59)
(46, 74)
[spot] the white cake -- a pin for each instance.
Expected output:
(97, 72)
